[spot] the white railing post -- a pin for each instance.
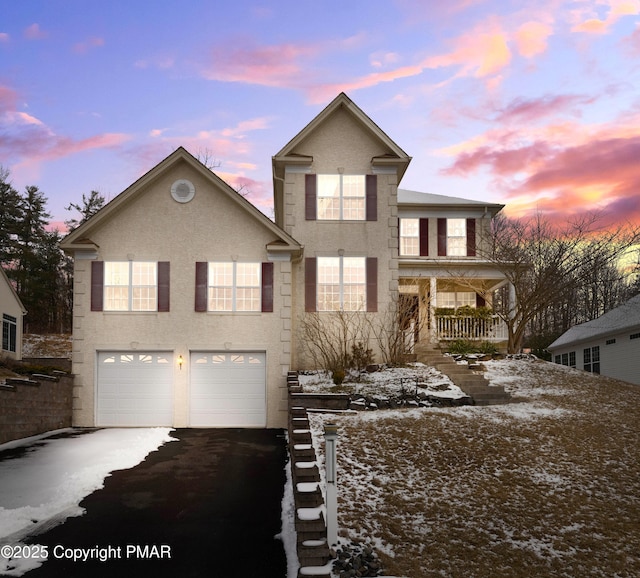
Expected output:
(331, 438)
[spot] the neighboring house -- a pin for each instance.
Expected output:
(188, 301)
(609, 345)
(12, 312)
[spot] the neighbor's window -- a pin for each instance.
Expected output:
(591, 357)
(341, 197)
(409, 236)
(234, 286)
(341, 283)
(457, 237)
(9, 332)
(130, 286)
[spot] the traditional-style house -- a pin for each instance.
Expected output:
(189, 303)
(609, 345)
(12, 311)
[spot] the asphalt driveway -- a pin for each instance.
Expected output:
(206, 505)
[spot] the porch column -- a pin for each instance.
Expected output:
(433, 295)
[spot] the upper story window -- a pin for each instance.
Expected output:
(341, 197)
(409, 237)
(456, 237)
(234, 286)
(130, 286)
(9, 332)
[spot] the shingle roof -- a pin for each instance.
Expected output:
(406, 197)
(626, 317)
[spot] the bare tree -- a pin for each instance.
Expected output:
(545, 264)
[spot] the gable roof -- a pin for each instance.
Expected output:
(79, 239)
(396, 157)
(626, 317)
(415, 198)
(7, 281)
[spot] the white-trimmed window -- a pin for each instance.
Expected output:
(341, 197)
(455, 299)
(409, 236)
(130, 286)
(341, 284)
(456, 237)
(9, 332)
(234, 286)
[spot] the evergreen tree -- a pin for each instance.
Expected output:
(90, 206)
(11, 216)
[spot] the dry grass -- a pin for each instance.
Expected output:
(546, 487)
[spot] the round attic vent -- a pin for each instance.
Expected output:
(183, 191)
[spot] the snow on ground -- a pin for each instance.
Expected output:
(547, 486)
(389, 382)
(45, 485)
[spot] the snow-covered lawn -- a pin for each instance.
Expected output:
(46, 485)
(548, 486)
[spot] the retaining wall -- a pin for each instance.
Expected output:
(34, 405)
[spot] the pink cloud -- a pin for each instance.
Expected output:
(34, 32)
(26, 139)
(276, 65)
(4, 37)
(617, 9)
(531, 110)
(531, 38)
(564, 171)
(84, 47)
(632, 42)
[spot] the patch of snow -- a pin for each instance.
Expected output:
(46, 485)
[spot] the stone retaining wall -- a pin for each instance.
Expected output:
(34, 405)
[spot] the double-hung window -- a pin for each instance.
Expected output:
(341, 197)
(409, 237)
(9, 332)
(234, 286)
(130, 286)
(342, 283)
(456, 237)
(591, 358)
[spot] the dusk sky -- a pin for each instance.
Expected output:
(532, 104)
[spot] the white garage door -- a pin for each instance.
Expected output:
(228, 389)
(135, 388)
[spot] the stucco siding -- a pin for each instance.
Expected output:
(156, 228)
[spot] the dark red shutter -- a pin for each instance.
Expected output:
(442, 237)
(424, 237)
(310, 284)
(480, 300)
(471, 237)
(371, 188)
(163, 286)
(267, 287)
(310, 197)
(97, 285)
(372, 283)
(202, 274)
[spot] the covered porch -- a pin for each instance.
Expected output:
(435, 309)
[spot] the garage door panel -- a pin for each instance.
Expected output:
(135, 389)
(228, 389)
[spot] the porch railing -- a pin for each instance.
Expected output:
(483, 329)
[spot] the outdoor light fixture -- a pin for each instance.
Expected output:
(180, 361)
